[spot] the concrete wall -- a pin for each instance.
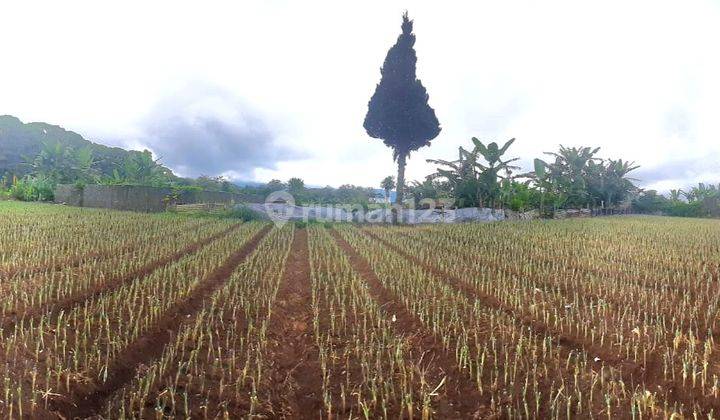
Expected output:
(126, 197)
(193, 197)
(69, 194)
(138, 198)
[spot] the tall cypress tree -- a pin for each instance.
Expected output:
(398, 112)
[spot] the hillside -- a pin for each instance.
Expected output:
(20, 142)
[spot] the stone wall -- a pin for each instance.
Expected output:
(572, 213)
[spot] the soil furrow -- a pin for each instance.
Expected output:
(461, 395)
(109, 285)
(631, 372)
(150, 346)
(297, 389)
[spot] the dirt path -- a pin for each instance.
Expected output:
(108, 286)
(296, 390)
(150, 346)
(650, 375)
(461, 396)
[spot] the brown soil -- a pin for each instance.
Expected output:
(149, 347)
(296, 390)
(108, 286)
(461, 398)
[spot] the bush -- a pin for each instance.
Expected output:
(683, 209)
(33, 189)
(243, 213)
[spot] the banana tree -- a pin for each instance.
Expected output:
(569, 172)
(496, 170)
(617, 184)
(473, 180)
(461, 175)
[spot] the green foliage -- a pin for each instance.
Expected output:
(702, 200)
(520, 196)
(241, 213)
(33, 189)
(473, 182)
(139, 168)
(430, 189)
(387, 184)
(296, 187)
(577, 178)
(683, 209)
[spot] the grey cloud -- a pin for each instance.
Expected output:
(206, 131)
(681, 171)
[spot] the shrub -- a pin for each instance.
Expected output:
(683, 209)
(243, 213)
(33, 189)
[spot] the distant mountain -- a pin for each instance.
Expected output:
(253, 184)
(20, 142)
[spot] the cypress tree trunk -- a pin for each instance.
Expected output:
(400, 188)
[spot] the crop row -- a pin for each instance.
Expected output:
(526, 371)
(68, 354)
(655, 344)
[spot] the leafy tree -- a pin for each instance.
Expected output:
(398, 112)
(275, 185)
(296, 187)
(650, 202)
(387, 184)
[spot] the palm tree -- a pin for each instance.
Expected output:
(387, 184)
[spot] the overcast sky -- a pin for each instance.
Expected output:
(275, 89)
